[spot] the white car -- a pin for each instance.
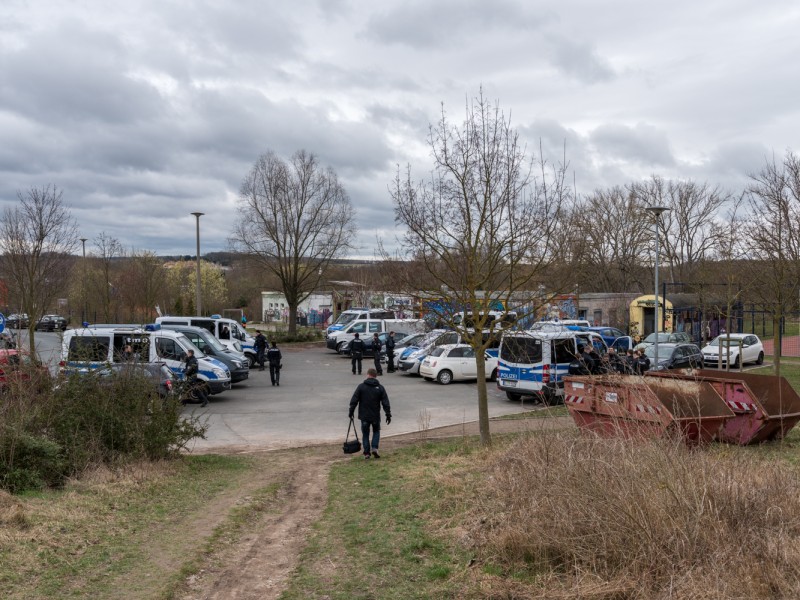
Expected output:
(751, 348)
(454, 362)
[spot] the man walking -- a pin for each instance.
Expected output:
(274, 357)
(260, 345)
(390, 353)
(376, 353)
(356, 353)
(369, 396)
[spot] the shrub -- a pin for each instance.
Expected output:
(639, 520)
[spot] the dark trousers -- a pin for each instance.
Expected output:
(376, 435)
(275, 374)
(378, 366)
(390, 362)
(356, 361)
(260, 359)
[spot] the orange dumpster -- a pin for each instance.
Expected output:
(635, 406)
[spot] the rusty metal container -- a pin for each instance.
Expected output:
(635, 406)
(766, 407)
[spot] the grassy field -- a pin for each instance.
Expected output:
(554, 515)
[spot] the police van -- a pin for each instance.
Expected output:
(346, 317)
(228, 331)
(337, 340)
(90, 348)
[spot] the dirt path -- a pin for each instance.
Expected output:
(258, 565)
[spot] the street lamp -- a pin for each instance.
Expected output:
(197, 290)
(84, 309)
(656, 212)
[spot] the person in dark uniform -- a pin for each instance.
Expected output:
(260, 346)
(356, 353)
(369, 396)
(376, 353)
(274, 358)
(195, 384)
(390, 352)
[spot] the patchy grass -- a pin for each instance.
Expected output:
(141, 530)
(540, 413)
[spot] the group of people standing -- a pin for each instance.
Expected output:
(272, 356)
(589, 362)
(357, 348)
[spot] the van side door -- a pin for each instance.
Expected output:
(170, 352)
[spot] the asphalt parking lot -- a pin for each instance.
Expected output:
(310, 406)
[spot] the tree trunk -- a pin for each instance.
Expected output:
(483, 400)
(292, 319)
(776, 342)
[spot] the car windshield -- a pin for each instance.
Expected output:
(411, 340)
(437, 351)
(664, 353)
(724, 340)
(212, 341)
(651, 339)
(345, 318)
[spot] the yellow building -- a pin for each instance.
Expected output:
(642, 311)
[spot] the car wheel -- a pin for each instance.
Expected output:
(760, 359)
(493, 376)
(251, 361)
(340, 347)
(736, 362)
(444, 377)
(513, 397)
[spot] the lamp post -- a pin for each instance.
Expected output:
(197, 287)
(84, 309)
(656, 212)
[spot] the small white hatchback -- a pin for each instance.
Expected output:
(455, 362)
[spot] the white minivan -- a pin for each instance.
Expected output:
(229, 332)
(90, 348)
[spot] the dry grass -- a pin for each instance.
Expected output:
(570, 516)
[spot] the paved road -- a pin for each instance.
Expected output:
(310, 406)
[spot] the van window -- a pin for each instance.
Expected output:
(167, 348)
(139, 343)
(521, 349)
(358, 328)
(207, 324)
(564, 350)
(88, 348)
(374, 327)
(224, 332)
(176, 322)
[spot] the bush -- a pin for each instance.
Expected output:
(49, 434)
(639, 520)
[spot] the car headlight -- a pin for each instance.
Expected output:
(220, 373)
(239, 364)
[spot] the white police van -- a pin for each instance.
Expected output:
(346, 317)
(228, 331)
(90, 348)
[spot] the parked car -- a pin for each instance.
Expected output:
(407, 342)
(368, 349)
(610, 335)
(410, 359)
(674, 356)
(160, 376)
(51, 323)
(18, 321)
(455, 362)
(676, 337)
(752, 350)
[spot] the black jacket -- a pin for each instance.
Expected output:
(274, 357)
(357, 348)
(260, 342)
(390, 344)
(369, 396)
(191, 368)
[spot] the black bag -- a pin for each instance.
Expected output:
(353, 446)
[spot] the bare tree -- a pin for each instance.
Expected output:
(687, 231)
(608, 226)
(294, 218)
(37, 238)
(108, 249)
(774, 238)
(484, 227)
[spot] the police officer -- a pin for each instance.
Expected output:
(356, 353)
(191, 378)
(376, 353)
(275, 364)
(390, 353)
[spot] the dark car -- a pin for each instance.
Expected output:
(158, 374)
(18, 321)
(51, 323)
(674, 356)
(368, 349)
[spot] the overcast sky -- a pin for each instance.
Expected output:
(144, 111)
